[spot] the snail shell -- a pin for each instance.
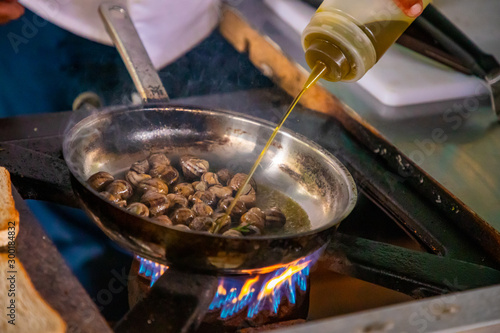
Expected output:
(167, 173)
(158, 159)
(140, 166)
(221, 191)
(223, 221)
(203, 196)
(200, 186)
(153, 184)
(238, 209)
(210, 178)
(258, 211)
(238, 180)
(202, 209)
(135, 178)
(224, 176)
(100, 180)
(201, 223)
(250, 218)
(275, 219)
(110, 197)
(138, 209)
(193, 167)
(177, 201)
(164, 220)
(158, 203)
(120, 189)
(182, 216)
(184, 189)
(250, 198)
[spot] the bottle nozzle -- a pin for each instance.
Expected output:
(318, 71)
(336, 62)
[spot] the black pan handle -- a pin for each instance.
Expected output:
(122, 31)
(461, 50)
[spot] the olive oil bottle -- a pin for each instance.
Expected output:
(350, 36)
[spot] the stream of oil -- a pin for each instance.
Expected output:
(317, 72)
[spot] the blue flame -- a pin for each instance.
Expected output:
(151, 269)
(234, 294)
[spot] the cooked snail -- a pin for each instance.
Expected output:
(193, 167)
(135, 178)
(224, 176)
(210, 178)
(153, 184)
(167, 173)
(201, 223)
(100, 180)
(238, 209)
(120, 189)
(203, 196)
(274, 218)
(202, 209)
(221, 191)
(185, 189)
(177, 201)
(157, 203)
(138, 209)
(182, 216)
(190, 205)
(140, 166)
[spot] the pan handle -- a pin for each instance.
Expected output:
(122, 31)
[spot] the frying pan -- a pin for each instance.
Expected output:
(113, 138)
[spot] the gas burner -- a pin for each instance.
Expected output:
(277, 293)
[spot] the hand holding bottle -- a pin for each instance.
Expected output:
(10, 10)
(411, 8)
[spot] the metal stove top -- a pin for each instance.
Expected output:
(428, 254)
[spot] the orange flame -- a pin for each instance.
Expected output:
(276, 282)
(273, 268)
(246, 289)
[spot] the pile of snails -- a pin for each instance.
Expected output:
(196, 199)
